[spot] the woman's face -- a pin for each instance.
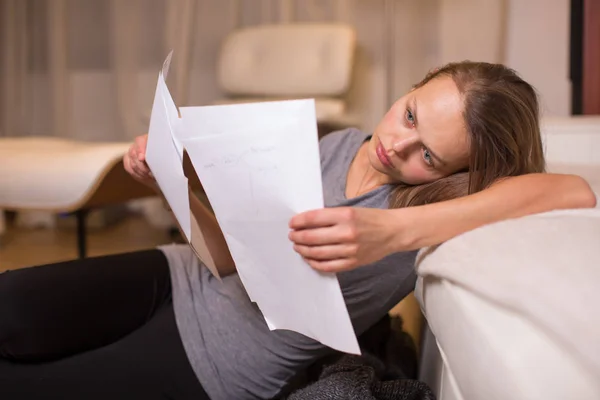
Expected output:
(422, 137)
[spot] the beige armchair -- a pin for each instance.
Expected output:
(290, 61)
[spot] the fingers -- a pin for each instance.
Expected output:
(338, 265)
(331, 249)
(134, 161)
(331, 235)
(132, 156)
(321, 218)
(328, 252)
(131, 169)
(139, 168)
(140, 145)
(127, 164)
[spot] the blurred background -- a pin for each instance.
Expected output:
(85, 70)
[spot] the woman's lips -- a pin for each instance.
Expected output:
(383, 157)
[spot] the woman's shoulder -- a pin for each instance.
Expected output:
(344, 134)
(341, 138)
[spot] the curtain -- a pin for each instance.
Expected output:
(87, 69)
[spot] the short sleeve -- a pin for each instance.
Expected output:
(330, 142)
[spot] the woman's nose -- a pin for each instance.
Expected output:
(401, 145)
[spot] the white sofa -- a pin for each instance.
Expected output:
(512, 307)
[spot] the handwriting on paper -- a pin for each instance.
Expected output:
(233, 159)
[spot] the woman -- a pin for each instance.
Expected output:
(156, 324)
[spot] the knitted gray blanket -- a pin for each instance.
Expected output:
(386, 370)
(359, 378)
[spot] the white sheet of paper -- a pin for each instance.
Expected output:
(164, 155)
(165, 163)
(259, 165)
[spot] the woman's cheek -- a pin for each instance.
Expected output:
(415, 174)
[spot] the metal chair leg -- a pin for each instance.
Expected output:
(81, 232)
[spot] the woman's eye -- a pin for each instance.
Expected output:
(410, 117)
(427, 157)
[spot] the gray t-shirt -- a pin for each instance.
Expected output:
(227, 341)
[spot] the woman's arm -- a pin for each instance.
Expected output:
(338, 239)
(509, 198)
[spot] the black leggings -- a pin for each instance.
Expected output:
(98, 328)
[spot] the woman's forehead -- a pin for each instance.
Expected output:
(439, 107)
(440, 104)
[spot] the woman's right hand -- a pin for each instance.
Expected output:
(336, 239)
(135, 164)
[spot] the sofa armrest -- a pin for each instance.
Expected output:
(513, 308)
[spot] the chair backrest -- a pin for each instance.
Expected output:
(288, 60)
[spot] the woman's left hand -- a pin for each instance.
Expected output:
(344, 238)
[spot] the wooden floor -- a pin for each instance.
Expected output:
(27, 247)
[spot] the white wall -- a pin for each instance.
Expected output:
(537, 46)
(471, 30)
(531, 36)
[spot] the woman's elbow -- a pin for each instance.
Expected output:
(589, 200)
(583, 195)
